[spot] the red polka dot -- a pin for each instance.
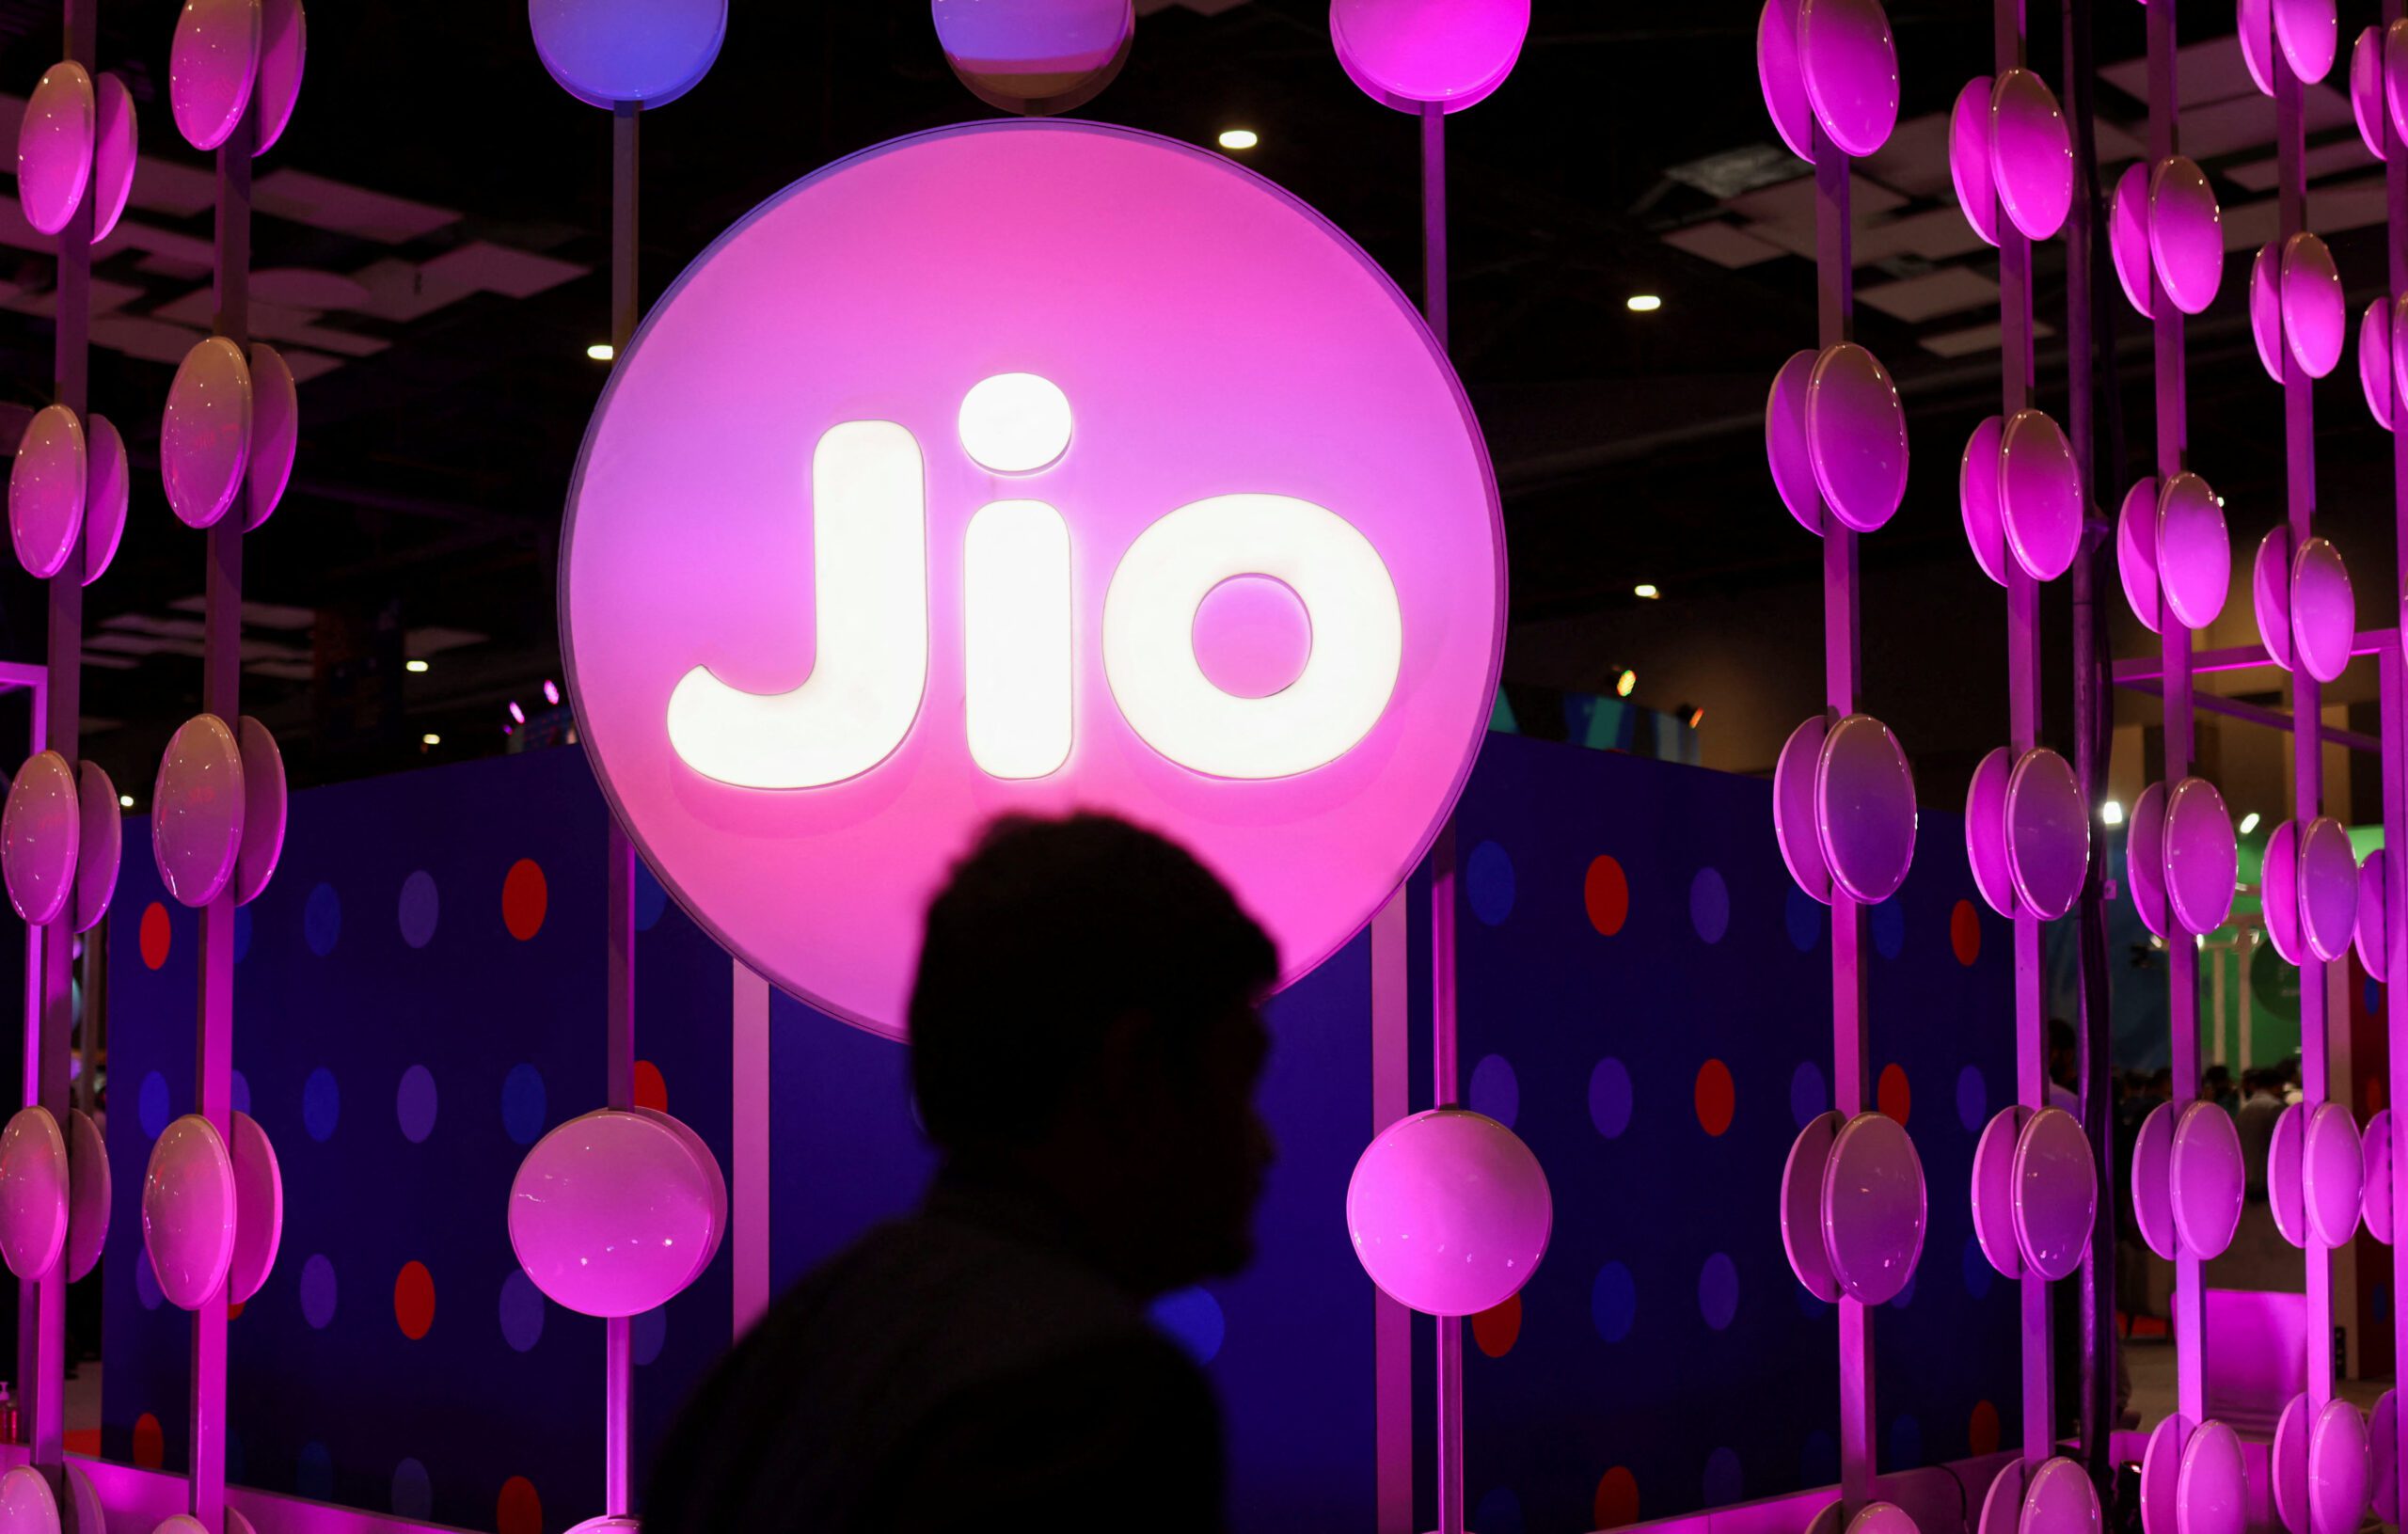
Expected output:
(525, 897)
(1894, 1097)
(149, 1442)
(1497, 1330)
(1715, 1097)
(155, 933)
(1607, 893)
(1981, 1434)
(2376, 1095)
(518, 1510)
(1617, 1498)
(414, 1300)
(651, 1091)
(1965, 932)
(233, 1310)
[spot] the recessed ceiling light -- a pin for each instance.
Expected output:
(125, 800)
(2112, 813)
(1625, 684)
(1643, 302)
(414, 667)
(1239, 138)
(431, 739)
(601, 351)
(2249, 822)
(1645, 591)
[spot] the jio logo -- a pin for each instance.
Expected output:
(1027, 466)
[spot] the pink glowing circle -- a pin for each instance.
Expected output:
(2136, 551)
(2287, 1174)
(2278, 893)
(1977, 498)
(1161, 288)
(54, 148)
(284, 48)
(33, 1194)
(1873, 1208)
(2185, 234)
(2153, 1181)
(1784, 85)
(2395, 75)
(2332, 1174)
(108, 490)
(87, 1194)
(2206, 1178)
(1968, 158)
(714, 1180)
(2337, 1469)
(1449, 1211)
(1801, 1206)
(1793, 808)
(2048, 833)
(2325, 615)
(2193, 553)
(2160, 1471)
(1856, 435)
(2202, 857)
(46, 490)
(116, 150)
(276, 429)
(2372, 932)
(100, 845)
(1864, 808)
(258, 1204)
(2128, 241)
(2040, 494)
(39, 834)
(27, 1505)
(2366, 88)
(2145, 858)
(2031, 153)
(2310, 34)
(2315, 315)
(2374, 360)
(212, 68)
(1785, 450)
(2266, 309)
(1986, 831)
(2056, 1192)
(196, 811)
(2328, 888)
(1994, 1189)
(2211, 1491)
(2256, 26)
(263, 811)
(2061, 1500)
(1252, 636)
(1042, 57)
(205, 438)
(188, 1212)
(604, 52)
(1850, 66)
(2269, 593)
(610, 1214)
(1404, 52)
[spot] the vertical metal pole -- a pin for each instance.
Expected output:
(749, 1197)
(1391, 1323)
(2395, 732)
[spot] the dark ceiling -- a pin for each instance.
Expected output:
(437, 437)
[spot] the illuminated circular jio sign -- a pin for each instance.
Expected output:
(1027, 466)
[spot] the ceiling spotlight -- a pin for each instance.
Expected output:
(1697, 717)
(2249, 822)
(430, 739)
(416, 668)
(125, 802)
(601, 351)
(1624, 683)
(517, 715)
(1643, 302)
(1645, 591)
(1239, 138)
(2112, 813)
(551, 692)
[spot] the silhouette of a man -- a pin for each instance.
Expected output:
(1084, 1052)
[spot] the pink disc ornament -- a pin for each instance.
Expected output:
(1994, 1189)
(2210, 1490)
(2207, 1179)
(47, 486)
(1043, 56)
(1856, 435)
(2031, 154)
(87, 1194)
(1977, 498)
(276, 430)
(2328, 888)
(2395, 75)
(1986, 832)
(2270, 594)
(1794, 809)
(108, 489)
(2145, 858)
(2266, 309)
(2060, 1500)
(40, 832)
(2372, 932)
(54, 148)
(1849, 63)
(33, 1194)
(2287, 1174)
(284, 48)
(608, 1214)
(2185, 234)
(2309, 34)
(2194, 554)
(2056, 1192)
(2048, 833)
(117, 149)
(1781, 81)
(2332, 1174)
(100, 845)
(2278, 893)
(2337, 1469)
(1968, 158)
(205, 438)
(2136, 551)
(2127, 242)
(2375, 1204)
(2316, 314)
(2324, 614)
(1864, 808)
(212, 68)
(2366, 88)
(1449, 1211)
(2255, 25)
(258, 1202)
(2374, 360)
(2153, 1181)
(2383, 1457)
(2202, 856)
(27, 1505)
(2161, 1472)
(263, 811)
(2040, 494)
(197, 811)
(1785, 450)
(1873, 1208)
(1801, 1205)
(189, 1211)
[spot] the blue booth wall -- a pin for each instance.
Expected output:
(1656, 1047)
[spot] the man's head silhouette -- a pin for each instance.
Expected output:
(1084, 1028)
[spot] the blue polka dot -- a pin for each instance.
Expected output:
(146, 1280)
(1804, 915)
(2373, 998)
(1718, 1291)
(313, 1473)
(1889, 923)
(322, 920)
(522, 1104)
(1973, 1098)
(522, 1312)
(318, 1292)
(151, 1106)
(238, 1093)
(321, 1104)
(1906, 1444)
(420, 910)
(1808, 1098)
(1613, 1302)
(1905, 1296)
(1609, 1097)
(2382, 1301)
(1195, 1321)
(1818, 1458)
(1723, 1483)
(1978, 1271)
(234, 1462)
(242, 933)
(1488, 879)
(1709, 904)
(1495, 1091)
(413, 1104)
(413, 1492)
(1810, 1304)
(648, 1334)
(1500, 1512)
(651, 898)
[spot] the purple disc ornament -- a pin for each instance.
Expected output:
(1793, 466)
(2287, 1174)
(1864, 808)
(2266, 309)
(2208, 1179)
(1977, 498)
(2210, 1490)
(2185, 234)
(2372, 931)
(2145, 858)
(1968, 158)
(2332, 1174)
(2278, 891)
(1801, 1206)
(1873, 1208)
(1778, 74)
(2193, 553)
(1793, 808)
(1856, 434)
(2031, 153)
(2328, 888)
(1986, 831)
(2061, 1500)
(2316, 314)
(2048, 833)
(2366, 88)
(2153, 1181)
(1850, 65)
(2374, 360)
(2056, 1192)
(2376, 1203)
(2127, 237)
(2136, 550)
(2040, 494)
(1993, 1188)
(2324, 614)
(2202, 856)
